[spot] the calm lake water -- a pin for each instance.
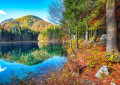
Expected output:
(19, 59)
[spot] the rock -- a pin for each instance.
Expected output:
(94, 84)
(72, 55)
(104, 69)
(112, 83)
(81, 60)
(42, 83)
(88, 82)
(74, 60)
(103, 37)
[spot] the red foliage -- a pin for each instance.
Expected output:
(98, 52)
(102, 14)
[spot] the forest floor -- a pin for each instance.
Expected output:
(93, 55)
(81, 69)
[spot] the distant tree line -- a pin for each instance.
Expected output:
(53, 33)
(17, 34)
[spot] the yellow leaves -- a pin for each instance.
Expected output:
(91, 63)
(95, 25)
(95, 13)
(73, 46)
(97, 57)
(103, 1)
(97, 52)
(69, 51)
(73, 74)
(103, 63)
(111, 56)
(109, 64)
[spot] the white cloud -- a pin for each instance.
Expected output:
(2, 12)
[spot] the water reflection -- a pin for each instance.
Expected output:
(17, 47)
(22, 58)
(30, 53)
(53, 48)
(21, 71)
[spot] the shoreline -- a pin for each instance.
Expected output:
(19, 41)
(34, 41)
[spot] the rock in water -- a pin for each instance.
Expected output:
(104, 69)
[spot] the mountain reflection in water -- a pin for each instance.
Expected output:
(17, 59)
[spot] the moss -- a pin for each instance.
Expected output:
(103, 76)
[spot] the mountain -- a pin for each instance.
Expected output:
(30, 21)
(7, 20)
(26, 28)
(41, 25)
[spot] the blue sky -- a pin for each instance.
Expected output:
(18, 8)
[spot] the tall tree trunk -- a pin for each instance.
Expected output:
(96, 35)
(111, 21)
(76, 39)
(70, 41)
(91, 33)
(86, 36)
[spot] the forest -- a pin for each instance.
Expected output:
(92, 28)
(90, 20)
(89, 31)
(18, 34)
(26, 28)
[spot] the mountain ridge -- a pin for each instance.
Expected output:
(6, 20)
(29, 21)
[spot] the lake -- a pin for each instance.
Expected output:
(24, 59)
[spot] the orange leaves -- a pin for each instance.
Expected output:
(102, 14)
(65, 37)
